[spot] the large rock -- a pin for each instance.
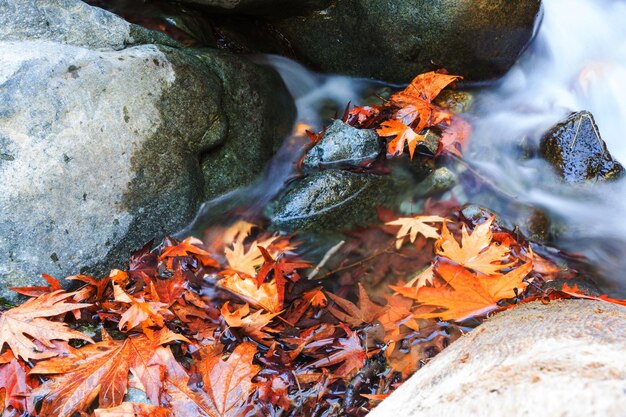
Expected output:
(561, 359)
(577, 152)
(274, 7)
(107, 141)
(394, 40)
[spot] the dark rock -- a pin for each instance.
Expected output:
(394, 40)
(577, 152)
(330, 200)
(262, 7)
(342, 146)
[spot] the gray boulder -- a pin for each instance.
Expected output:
(112, 135)
(565, 358)
(342, 146)
(577, 152)
(330, 200)
(394, 40)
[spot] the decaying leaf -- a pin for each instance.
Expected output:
(20, 325)
(229, 383)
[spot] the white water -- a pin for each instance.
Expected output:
(577, 62)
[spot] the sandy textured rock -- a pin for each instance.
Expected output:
(104, 139)
(566, 358)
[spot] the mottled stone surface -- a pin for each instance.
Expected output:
(104, 139)
(565, 358)
(342, 146)
(395, 40)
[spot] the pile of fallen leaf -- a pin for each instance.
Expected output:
(229, 326)
(237, 324)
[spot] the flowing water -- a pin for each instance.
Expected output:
(577, 61)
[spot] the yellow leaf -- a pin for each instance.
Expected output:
(411, 226)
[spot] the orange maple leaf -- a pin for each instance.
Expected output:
(349, 352)
(229, 383)
(476, 251)
(402, 134)
(254, 325)
(424, 87)
(262, 296)
(101, 371)
(467, 294)
(576, 292)
(19, 325)
(411, 226)
(133, 410)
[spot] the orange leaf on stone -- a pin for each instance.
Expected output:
(133, 410)
(402, 135)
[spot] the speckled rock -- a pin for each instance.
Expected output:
(394, 40)
(342, 146)
(576, 150)
(330, 200)
(565, 358)
(107, 142)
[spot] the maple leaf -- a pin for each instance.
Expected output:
(143, 263)
(251, 324)
(101, 371)
(411, 226)
(454, 137)
(402, 134)
(14, 384)
(246, 261)
(282, 267)
(274, 389)
(576, 292)
(349, 352)
(18, 325)
(467, 294)
(229, 383)
(366, 311)
(133, 410)
(425, 87)
(476, 251)
(189, 247)
(36, 291)
(263, 296)
(140, 312)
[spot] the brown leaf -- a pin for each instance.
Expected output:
(18, 325)
(467, 294)
(366, 311)
(229, 383)
(101, 371)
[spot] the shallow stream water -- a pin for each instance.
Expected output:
(577, 61)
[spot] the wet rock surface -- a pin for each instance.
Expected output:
(330, 200)
(342, 146)
(394, 40)
(107, 141)
(576, 150)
